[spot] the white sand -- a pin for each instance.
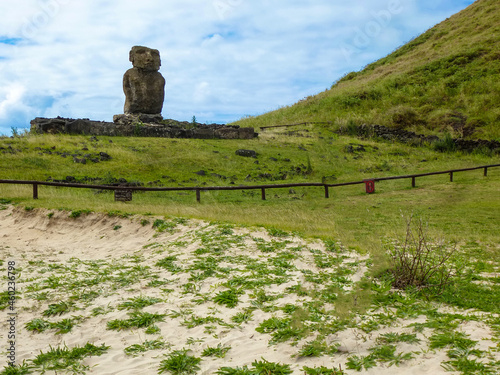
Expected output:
(61, 241)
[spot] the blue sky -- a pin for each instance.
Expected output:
(222, 59)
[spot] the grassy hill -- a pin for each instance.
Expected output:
(445, 80)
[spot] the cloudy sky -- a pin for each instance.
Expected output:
(222, 59)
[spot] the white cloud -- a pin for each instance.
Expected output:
(11, 100)
(202, 92)
(223, 59)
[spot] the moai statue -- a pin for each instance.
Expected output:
(144, 86)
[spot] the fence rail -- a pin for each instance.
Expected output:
(369, 184)
(300, 123)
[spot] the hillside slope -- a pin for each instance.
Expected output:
(447, 79)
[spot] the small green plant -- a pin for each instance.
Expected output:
(179, 362)
(359, 362)
(22, 369)
(59, 308)
(114, 213)
(282, 329)
(116, 227)
(37, 325)
(265, 367)
(275, 232)
(195, 321)
(5, 300)
(451, 338)
(273, 324)
(138, 303)
(137, 349)
(138, 319)
(96, 311)
(466, 361)
(63, 326)
(384, 353)
(57, 359)
(322, 371)
(192, 341)
(168, 264)
(227, 297)
(138, 126)
(219, 352)
(77, 213)
(242, 317)
(164, 226)
(235, 371)
(313, 349)
(50, 215)
(152, 330)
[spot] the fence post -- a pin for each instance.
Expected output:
(263, 194)
(413, 184)
(198, 196)
(35, 191)
(327, 193)
(451, 176)
(485, 171)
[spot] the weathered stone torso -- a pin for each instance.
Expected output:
(144, 91)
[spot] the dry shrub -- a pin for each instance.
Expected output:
(420, 263)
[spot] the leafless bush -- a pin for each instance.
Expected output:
(420, 263)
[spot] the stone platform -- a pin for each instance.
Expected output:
(140, 126)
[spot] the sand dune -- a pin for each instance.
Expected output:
(96, 266)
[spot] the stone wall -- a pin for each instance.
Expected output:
(166, 129)
(405, 136)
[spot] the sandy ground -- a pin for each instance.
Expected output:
(95, 263)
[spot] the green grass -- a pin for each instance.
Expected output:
(219, 351)
(322, 370)
(39, 325)
(179, 362)
(444, 80)
(137, 303)
(262, 367)
(349, 215)
(23, 369)
(137, 349)
(138, 319)
(59, 308)
(227, 297)
(59, 359)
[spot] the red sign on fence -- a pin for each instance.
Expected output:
(370, 186)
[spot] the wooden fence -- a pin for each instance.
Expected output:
(300, 123)
(120, 190)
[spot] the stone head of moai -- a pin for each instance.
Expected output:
(145, 58)
(143, 85)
